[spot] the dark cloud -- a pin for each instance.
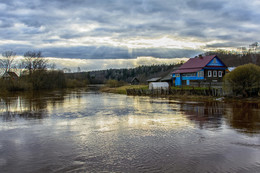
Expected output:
(103, 52)
(206, 5)
(223, 45)
(48, 24)
(117, 53)
(164, 53)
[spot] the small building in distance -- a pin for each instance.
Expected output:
(135, 81)
(200, 71)
(10, 76)
(159, 86)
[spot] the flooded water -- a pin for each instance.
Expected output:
(87, 131)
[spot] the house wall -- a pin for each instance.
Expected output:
(215, 62)
(215, 66)
(212, 77)
(189, 80)
(177, 81)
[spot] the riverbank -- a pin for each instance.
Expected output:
(185, 93)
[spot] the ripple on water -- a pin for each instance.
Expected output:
(86, 132)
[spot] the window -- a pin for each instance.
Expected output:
(209, 73)
(220, 74)
(214, 61)
(201, 74)
(215, 73)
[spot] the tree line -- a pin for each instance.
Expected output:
(142, 73)
(33, 61)
(37, 73)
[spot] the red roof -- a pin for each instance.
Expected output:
(195, 64)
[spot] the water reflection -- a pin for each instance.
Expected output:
(245, 117)
(83, 131)
(145, 111)
(29, 105)
(204, 114)
(242, 116)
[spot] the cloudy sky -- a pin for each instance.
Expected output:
(126, 30)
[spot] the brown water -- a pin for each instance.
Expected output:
(80, 131)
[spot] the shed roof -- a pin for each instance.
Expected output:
(167, 77)
(134, 79)
(154, 79)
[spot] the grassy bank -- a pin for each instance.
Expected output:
(122, 89)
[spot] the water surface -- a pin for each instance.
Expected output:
(88, 131)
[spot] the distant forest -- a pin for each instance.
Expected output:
(143, 73)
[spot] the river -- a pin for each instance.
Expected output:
(88, 131)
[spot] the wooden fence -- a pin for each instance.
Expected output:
(217, 92)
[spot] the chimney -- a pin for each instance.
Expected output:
(200, 56)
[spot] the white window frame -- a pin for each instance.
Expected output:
(220, 73)
(215, 73)
(209, 73)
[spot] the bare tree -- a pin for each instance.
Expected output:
(66, 70)
(52, 66)
(253, 46)
(79, 70)
(6, 62)
(33, 61)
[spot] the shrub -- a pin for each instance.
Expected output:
(73, 83)
(243, 80)
(114, 83)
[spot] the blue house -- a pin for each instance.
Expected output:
(200, 69)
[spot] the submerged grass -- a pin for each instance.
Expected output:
(122, 89)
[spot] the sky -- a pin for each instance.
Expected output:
(116, 33)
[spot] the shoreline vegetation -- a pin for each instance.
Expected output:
(177, 93)
(37, 74)
(242, 82)
(40, 80)
(113, 86)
